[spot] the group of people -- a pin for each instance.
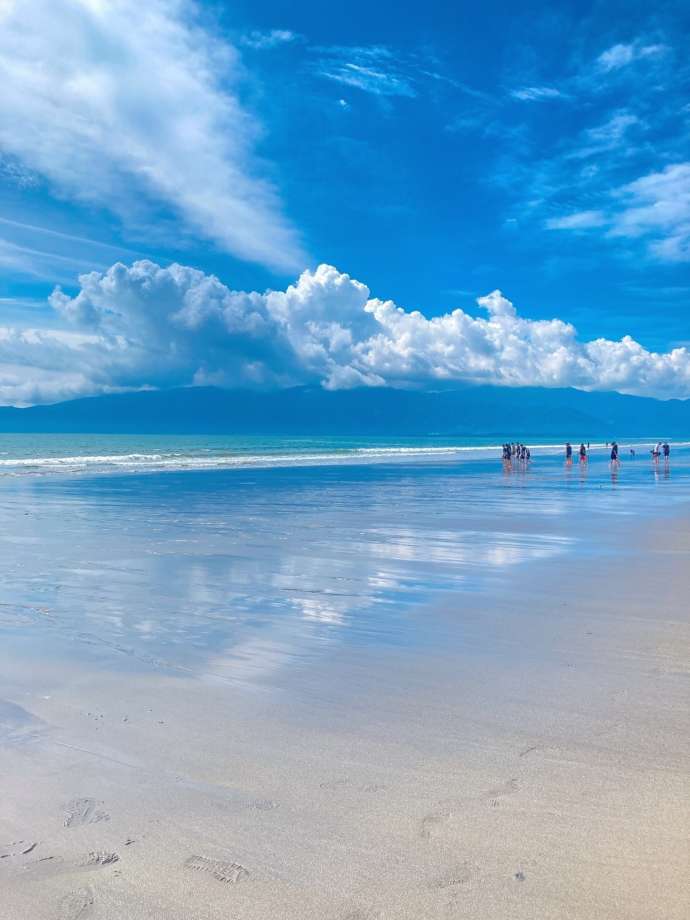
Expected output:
(519, 451)
(661, 449)
(516, 451)
(582, 452)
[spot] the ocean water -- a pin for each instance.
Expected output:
(247, 562)
(39, 454)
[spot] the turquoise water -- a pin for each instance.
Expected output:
(22, 454)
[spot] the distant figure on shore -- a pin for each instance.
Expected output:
(568, 452)
(587, 445)
(614, 453)
(583, 453)
(632, 452)
(656, 452)
(666, 447)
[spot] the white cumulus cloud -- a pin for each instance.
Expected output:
(148, 326)
(133, 106)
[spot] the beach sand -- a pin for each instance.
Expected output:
(537, 766)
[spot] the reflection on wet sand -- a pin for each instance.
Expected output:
(242, 573)
(240, 588)
(328, 695)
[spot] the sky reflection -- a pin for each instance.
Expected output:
(247, 576)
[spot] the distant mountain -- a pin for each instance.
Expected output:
(508, 413)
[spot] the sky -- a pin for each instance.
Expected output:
(413, 194)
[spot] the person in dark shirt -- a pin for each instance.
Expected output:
(583, 453)
(568, 452)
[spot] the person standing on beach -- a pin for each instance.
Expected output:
(568, 452)
(632, 452)
(666, 447)
(583, 453)
(614, 453)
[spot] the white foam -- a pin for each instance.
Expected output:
(201, 460)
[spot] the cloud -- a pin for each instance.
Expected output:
(582, 220)
(261, 41)
(147, 326)
(619, 56)
(655, 207)
(133, 107)
(658, 206)
(609, 136)
(536, 93)
(373, 69)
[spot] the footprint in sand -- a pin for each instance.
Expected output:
(460, 877)
(498, 792)
(18, 848)
(100, 858)
(75, 905)
(430, 823)
(334, 784)
(230, 873)
(84, 811)
(263, 805)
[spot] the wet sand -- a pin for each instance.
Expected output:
(532, 761)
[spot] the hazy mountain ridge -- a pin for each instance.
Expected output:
(504, 412)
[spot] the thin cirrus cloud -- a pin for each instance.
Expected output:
(654, 207)
(581, 220)
(273, 38)
(144, 325)
(536, 93)
(131, 106)
(373, 69)
(621, 55)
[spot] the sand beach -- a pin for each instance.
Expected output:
(308, 694)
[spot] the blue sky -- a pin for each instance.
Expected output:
(435, 153)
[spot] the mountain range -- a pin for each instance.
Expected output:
(510, 413)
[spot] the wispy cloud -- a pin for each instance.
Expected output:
(373, 69)
(61, 235)
(43, 264)
(618, 56)
(655, 207)
(536, 93)
(274, 38)
(582, 220)
(80, 107)
(610, 135)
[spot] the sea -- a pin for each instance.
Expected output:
(40, 454)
